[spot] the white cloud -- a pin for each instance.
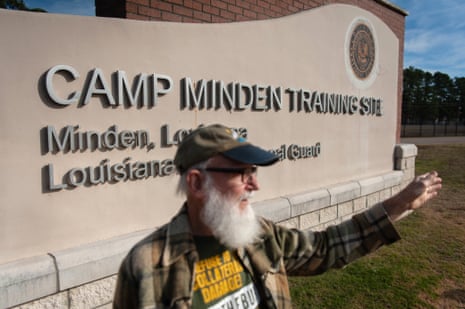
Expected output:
(418, 41)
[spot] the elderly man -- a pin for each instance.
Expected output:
(215, 253)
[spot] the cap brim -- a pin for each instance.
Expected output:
(250, 154)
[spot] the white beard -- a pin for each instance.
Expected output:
(234, 227)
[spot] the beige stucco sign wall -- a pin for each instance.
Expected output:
(134, 88)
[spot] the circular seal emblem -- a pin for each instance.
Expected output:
(362, 51)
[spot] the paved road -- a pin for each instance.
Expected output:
(433, 140)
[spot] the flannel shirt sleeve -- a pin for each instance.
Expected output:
(311, 253)
(126, 291)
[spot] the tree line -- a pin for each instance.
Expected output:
(432, 98)
(18, 5)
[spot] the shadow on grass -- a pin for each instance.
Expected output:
(457, 295)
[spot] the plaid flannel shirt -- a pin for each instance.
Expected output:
(158, 272)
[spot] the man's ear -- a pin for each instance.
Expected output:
(195, 181)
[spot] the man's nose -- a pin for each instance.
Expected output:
(252, 183)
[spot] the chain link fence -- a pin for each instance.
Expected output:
(426, 120)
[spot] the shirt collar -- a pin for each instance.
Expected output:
(179, 240)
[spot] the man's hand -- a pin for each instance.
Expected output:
(416, 194)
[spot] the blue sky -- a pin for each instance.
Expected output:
(74, 7)
(434, 31)
(435, 35)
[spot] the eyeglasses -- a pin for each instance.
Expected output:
(246, 172)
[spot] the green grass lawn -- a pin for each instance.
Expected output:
(426, 269)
